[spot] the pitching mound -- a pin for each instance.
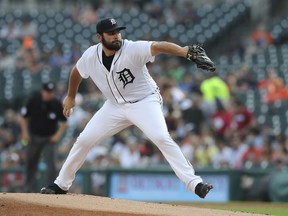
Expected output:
(21, 204)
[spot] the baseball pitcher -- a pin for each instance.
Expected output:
(118, 69)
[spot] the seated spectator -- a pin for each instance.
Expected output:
(155, 10)
(10, 31)
(238, 148)
(89, 15)
(242, 119)
(171, 121)
(224, 155)
(28, 28)
(11, 182)
(187, 85)
(252, 156)
(221, 120)
(171, 93)
(188, 145)
(231, 79)
(273, 86)
(194, 116)
(205, 151)
(280, 148)
(187, 14)
(261, 38)
(76, 53)
(29, 56)
(175, 70)
(9, 129)
(7, 60)
(267, 154)
(245, 79)
(130, 154)
(58, 59)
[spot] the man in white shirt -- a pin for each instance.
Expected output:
(118, 69)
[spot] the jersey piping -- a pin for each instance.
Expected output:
(98, 55)
(111, 89)
(117, 87)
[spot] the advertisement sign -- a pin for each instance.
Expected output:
(165, 188)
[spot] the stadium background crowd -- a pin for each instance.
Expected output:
(235, 118)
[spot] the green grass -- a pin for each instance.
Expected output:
(275, 209)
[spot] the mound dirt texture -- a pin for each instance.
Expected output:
(24, 204)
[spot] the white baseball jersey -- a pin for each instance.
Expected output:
(128, 80)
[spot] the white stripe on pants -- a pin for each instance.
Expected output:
(147, 115)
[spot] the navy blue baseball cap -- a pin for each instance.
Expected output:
(108, 25)
(49, 86)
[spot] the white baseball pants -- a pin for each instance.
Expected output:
(147, 115)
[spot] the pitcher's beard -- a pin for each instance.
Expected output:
(115, 45)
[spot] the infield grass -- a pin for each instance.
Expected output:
(265, 208)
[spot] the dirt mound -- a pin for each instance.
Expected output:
(24, 204)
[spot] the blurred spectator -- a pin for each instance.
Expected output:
(242, 119)
(171, 93)
(245, 79)
(175, 70)
(252, 156)
(43, 124)
(10, 31)
(280, 148)
(274, 87)
(127, 151)
(28, 28)
(231, 79)
(57, 59)
(171, 121)
(193, 116)
(187, 84)
(9, 129)
(11, 182)
(267, 153)
(76, 53)
(224, 155)
(188, 145)
(214, 87)
(187, 14)
(7, 60)
(259, 40)
(29, 56)
(155, 10)
(205, 151)
(238, 148)
(98, 157)
(147, 152)
(221, 120)
(129, 155)
(119, 143)
(86, 14)
(253, 135)
(89, 15)
(79, 114)
(60, 92)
